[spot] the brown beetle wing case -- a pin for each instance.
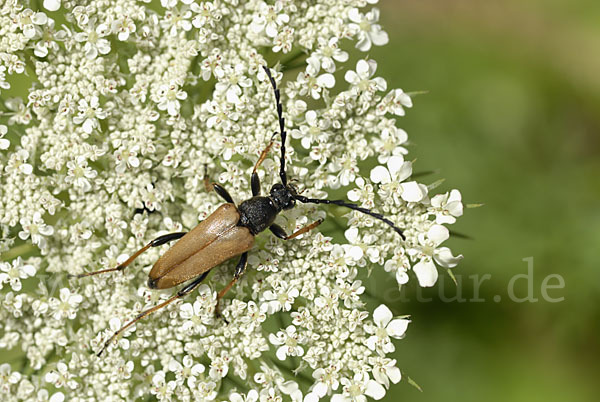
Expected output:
(213, 241)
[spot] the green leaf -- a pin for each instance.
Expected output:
(435, 184)
(414, 384)
(416, 93)
(452, 276)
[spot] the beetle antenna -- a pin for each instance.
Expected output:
(282, 173)
(350, 205)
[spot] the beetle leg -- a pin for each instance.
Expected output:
(279, 232)
(222, 193)
(255, 181)
(154, 243)
(239, 271)
(183, 292)
(217, 187)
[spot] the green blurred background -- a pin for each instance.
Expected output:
(511, 118)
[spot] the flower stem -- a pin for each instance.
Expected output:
(17, 251)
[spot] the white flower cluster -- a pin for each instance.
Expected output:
(130, 106)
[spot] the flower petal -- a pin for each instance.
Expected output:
(375, 390)
(382, 316)
(394, 373)
(426, 272)
(326, 80)
(380, 174)
(413, 191)
(438, 234)
(363, 68)
(397, 327)
(444, 257)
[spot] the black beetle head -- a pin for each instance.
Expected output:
(283, 196)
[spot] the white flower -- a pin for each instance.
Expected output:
(176, 21)
(206, 391)
(384, 370)
(188, 371)
(126, 157)
(252, 396)
(414, 192)
(358, 388)
(43, 396)
(367, 29)
(20, 113)
(114, 324)
(429, 251)
(313, 130)
(79, 173)
(66, 306)
(219, 367)
(52, 5)
(328, 53)
(171, 3)
(326, 380)
(392, 177)
(4, 143)
(289, 341)
(14, 65)
(89, 113)
(282, 300)
(8, 378)
(123, 27)
(366, 243)
(223, 114)
(207, 14)
(17, 162)
(61, 377)
(3, 83)
(269, 18)
(384, 328)
(232, 82)
(309, 82)
(447, 207)
(212, 65)
(93, 39)
(200, 313)
(394, 102)
(13, 304)
(48, 39)
(399, 264)
(389, 142)
(397, 170)
(168, 96)
(29, 21)
(361, 78)
(161, 388)
(364, 193)
(36, 228)
(13, 274)
(284, 40)
(343, 256)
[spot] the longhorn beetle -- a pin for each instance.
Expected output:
(229, 231)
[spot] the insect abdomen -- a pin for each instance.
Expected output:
(222, 220)
(234, 241)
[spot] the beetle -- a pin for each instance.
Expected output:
(228, 232)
